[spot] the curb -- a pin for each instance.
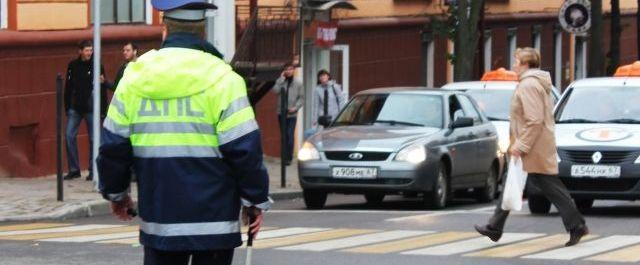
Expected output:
(101, 207)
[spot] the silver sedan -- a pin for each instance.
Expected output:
(408, 140)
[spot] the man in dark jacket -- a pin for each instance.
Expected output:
(130, 54)
(78, 102)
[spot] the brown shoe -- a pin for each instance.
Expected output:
(487, 231)
(576, 234)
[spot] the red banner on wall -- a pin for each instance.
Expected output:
(326, 33)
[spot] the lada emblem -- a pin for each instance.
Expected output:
(356, 156)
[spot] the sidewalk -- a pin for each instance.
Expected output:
(35, 199)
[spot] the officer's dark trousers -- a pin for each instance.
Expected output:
(290, 127)
(213, 257)
(556, 192)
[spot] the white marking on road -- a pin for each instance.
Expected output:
(356, 240)
(588, 248)
(57, 230)
(471, 245)
(286, 232)
(92, 238)
(350, 211)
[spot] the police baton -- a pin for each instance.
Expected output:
(251, 212)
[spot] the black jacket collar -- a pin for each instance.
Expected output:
(190, 41)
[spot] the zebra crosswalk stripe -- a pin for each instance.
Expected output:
(413, 243)
(356, 240)
(587, 248)
(84, 231)
(526, 247)
(6, 228)
(311, 237)
(286, 232)
(471, 245)
(629, 254)
(6, 234)
(92, 238)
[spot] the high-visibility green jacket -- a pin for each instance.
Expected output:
(181, 117)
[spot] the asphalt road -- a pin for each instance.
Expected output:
(350, 232)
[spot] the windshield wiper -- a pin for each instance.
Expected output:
(496, 119)
(394, 122)
(577, 121)
(629, 121)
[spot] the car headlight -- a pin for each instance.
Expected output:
(414, 154)
(503, 144)
(308, 152)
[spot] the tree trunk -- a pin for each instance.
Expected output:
(596, 57)
(614, 50)
(466, 38)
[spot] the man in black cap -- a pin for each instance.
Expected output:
(182, 118)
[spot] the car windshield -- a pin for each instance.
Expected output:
(393, 109)
(494, 102)
(600, 105)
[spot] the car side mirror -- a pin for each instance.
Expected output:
(462, 122)
(325, 120)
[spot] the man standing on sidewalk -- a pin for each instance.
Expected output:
(181, 116)
(533, 139)
(130, 54)
(78, 102)
(288, 84)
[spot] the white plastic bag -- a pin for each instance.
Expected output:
(514, 186)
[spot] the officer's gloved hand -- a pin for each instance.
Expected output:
(256, 216)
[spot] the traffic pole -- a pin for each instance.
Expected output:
(96, 91)
(59, 107)
(284, 137)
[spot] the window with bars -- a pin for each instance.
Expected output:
(122, 11)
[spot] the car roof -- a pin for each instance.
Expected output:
(477, 85)
(406, 90)
(607, 82)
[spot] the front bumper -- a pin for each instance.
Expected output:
(626, 187)
(392, 177)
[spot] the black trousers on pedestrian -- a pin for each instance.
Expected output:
(290, 128)
(556, 192)
(212, 257)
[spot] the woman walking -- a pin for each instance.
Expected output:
(533, 139)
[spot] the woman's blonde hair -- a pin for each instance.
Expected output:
(528, 56)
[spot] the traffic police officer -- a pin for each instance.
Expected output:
(181, 117)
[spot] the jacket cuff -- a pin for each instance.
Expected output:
(116, 197)
(522, 147)
(264, 206)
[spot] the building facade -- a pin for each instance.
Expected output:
(390, 43)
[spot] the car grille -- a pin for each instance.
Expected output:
(366, 156)
(317, 180)
(582, 184)
(584, 157)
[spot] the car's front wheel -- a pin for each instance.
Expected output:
(314, 199)
(437, 198)
(539, 204)
(490, 189)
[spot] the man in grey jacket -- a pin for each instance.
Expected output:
(294, 91)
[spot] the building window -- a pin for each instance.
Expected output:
(512, 41)
(581, 57)
(3, 14)
(537, 37)
(557, 54)
(487, 50)
(123, 11)
(428, 47)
